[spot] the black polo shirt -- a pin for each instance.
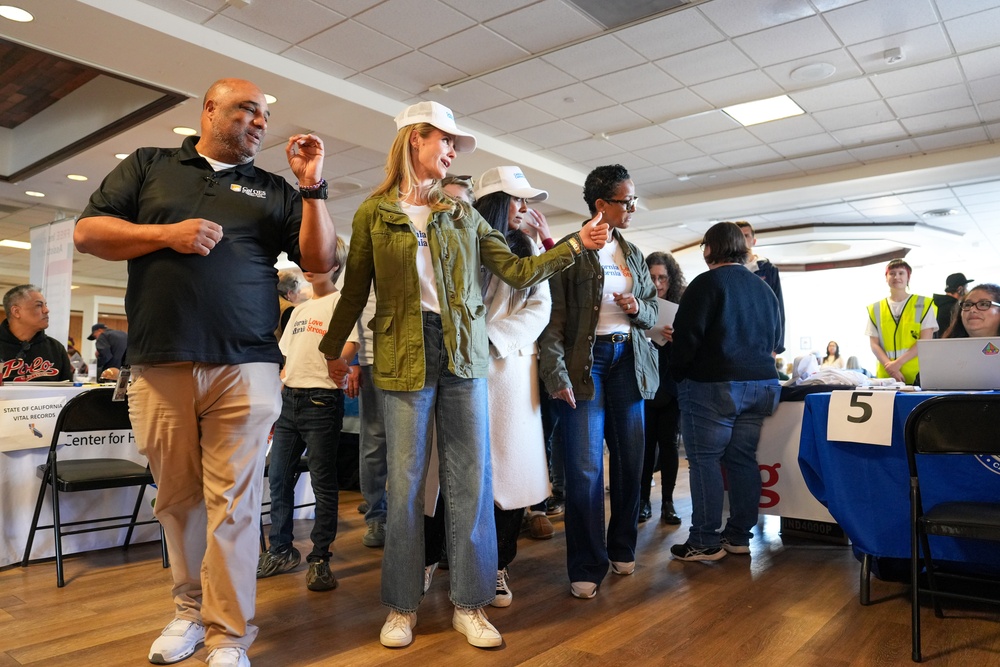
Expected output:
(222, 308)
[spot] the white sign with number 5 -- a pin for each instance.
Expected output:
(861, 416)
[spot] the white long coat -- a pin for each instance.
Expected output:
(514, 320)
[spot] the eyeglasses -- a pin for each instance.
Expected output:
(985, 304)
(629, 204)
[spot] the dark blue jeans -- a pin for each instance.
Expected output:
(310, 421)
(615, 415)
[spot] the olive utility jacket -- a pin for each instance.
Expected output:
(384, 248)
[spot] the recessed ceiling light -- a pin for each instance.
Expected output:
(20, 245)
(185, 131)
(76, 177)
(939, 213)
(121, 156)
(34, 193)
(763, 111)
(270, 99)
(812, 72)
(15, 14)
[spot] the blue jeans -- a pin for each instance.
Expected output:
(310, 421)
(720, 423)
(458, 408)
(371, 455)
(615, 415)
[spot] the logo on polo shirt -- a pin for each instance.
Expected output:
(259, 194)
(990, 461)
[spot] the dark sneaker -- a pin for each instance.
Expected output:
(668, 515)
(375, 536)
(271, 564)
(734, 548)
(690, 552)
(539, 526)
(645, 512)
(504, 596)
(554, 506)
(363, 507)
(319, 577)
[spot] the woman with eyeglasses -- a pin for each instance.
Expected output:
(423, 250)
(978, 315)
(896, 324)
(596, 361)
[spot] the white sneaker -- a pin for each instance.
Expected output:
(229, 656)
(504, 596)
(429, 575)
(397, 631)
(623, 568)
(583, 589)
(476, 627)
(178, 640)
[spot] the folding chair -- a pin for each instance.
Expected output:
(951, 424)
(89, 411)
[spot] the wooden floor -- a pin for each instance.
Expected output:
(789, 603)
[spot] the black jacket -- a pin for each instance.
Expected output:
(42, 358)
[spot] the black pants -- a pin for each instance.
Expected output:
(661, 436)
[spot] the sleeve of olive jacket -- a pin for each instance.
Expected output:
(520, 272)
(357, 283)
(551, 344)
(645, 294)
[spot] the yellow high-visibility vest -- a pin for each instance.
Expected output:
(898, 336)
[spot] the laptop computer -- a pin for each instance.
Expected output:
(957, 364)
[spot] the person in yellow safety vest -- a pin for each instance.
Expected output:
(897, 323)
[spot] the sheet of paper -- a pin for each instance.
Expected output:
(668, 309)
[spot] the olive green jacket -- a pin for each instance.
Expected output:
(384, 249)
(566, 346)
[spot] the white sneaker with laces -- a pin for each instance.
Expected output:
(397, 631)
(584, 590)
(178, 640)
(623, 568)
(229, 656)
(476, 627)
(504, 596)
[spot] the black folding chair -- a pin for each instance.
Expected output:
(953, 424)
(89, 411)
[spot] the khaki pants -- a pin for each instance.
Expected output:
(204, 429)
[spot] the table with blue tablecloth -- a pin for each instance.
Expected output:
(866, 487)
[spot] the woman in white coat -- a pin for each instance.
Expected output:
(514, 320)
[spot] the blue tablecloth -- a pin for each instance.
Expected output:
(866, 487)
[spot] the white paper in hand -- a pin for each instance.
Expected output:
(668, 309)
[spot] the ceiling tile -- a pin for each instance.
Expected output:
(588, 149)
(413, 72)
(611, 119)
(696, 165)
(634, 83)
(836, 95)
(415, 23)
(738, 17)
(666, 106)
(869, 134)
(354, 45)
(594, 57)
(804, 146)
(483, 11)
(884, 151)
(572, 100)
(644, 137)
(380, 87)
(646, 175)
(745, 87)
(247, 34)
(950, 140)
(930, 76)
(475, 50)
(842, 62)
(348, 7)
(752, 155)
(980, 64)
(317, 62)
(286, 19)
(470, 97)
(514, 116)
(814, 164)
(672, 34)
(701, 124)
(544, 25)
(934, 122)
(528, 78)
(917, 46)
(985, 90)
(710, 62)
(761, 172)
(854, 116)
(950, 10)
(554, 134)
(800, 39)
(721, 142)
(786, 128)
(186, 10)
(872, 19)
(929, 101)
(669, 153)
(975, 31)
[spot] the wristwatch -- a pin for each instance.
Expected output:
(317, 191)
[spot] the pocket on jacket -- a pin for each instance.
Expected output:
(385, 344)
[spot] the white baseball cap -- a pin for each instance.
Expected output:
(440, 117)
(510, 180)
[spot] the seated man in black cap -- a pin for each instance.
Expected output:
(26, 353)
(954, 289)
(111, 345)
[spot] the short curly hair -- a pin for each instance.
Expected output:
(601, 184)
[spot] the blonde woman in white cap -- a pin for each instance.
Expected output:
(514, 320)
(423, 250)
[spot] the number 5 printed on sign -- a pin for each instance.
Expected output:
(861, 416)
